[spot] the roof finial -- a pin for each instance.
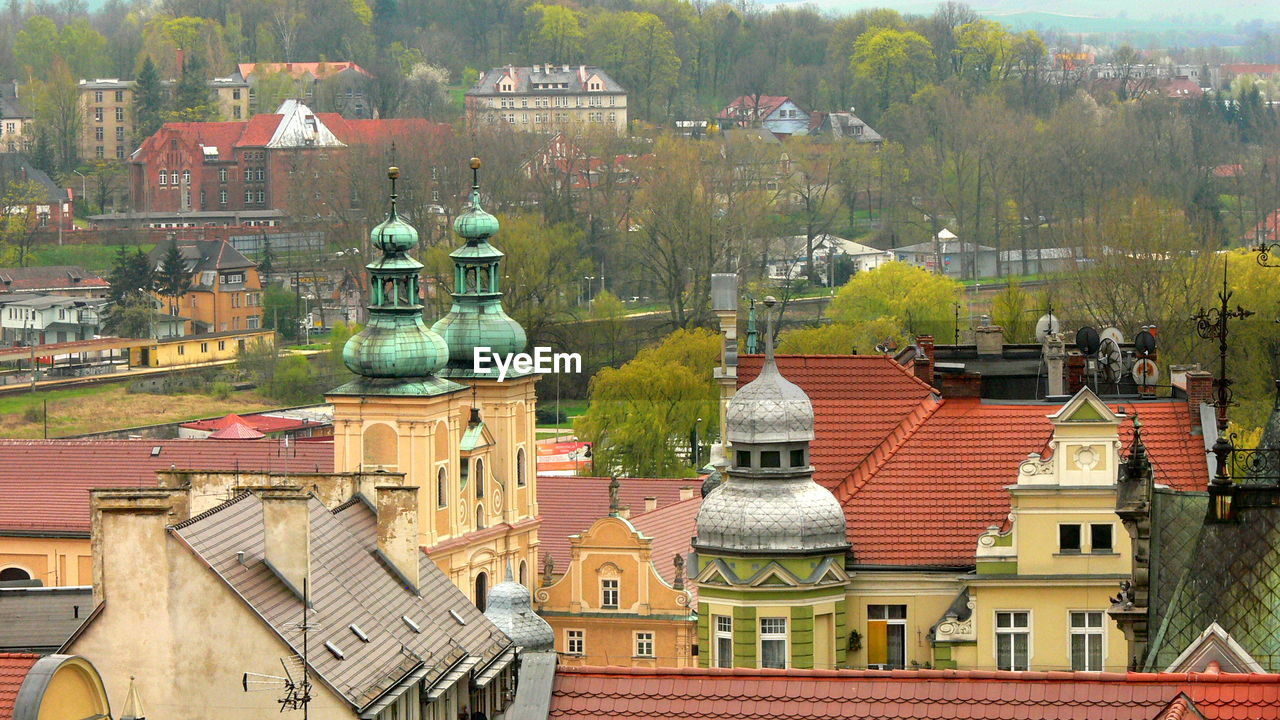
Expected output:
(393, 173)
(509, 577)
(475, 182)
(769, 302)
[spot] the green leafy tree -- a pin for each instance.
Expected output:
(914, 298)
(18, 221)
(891, 64)
(57, 111)
(839, 339)
(132, 316)
(280, 312)
(1011, 309)
(150, 101)
(293, 382)
(639, 51)
(609, 325)
(192, 98)
(36, 45)
(555, 32)
(642, 413)
(267, 260)
(271, 89)
(83, 47)
(173, 280)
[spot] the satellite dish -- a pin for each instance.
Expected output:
(1111, 359)
(1145, 372)
(1115, 335)
(1087, 340)
(1144, 343)
(1046, 325)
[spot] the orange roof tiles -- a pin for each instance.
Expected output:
(857, 402)
(44, 484)
(319, 70)
(569, 505)
(920, 477)
(591, 693)
(13, 672)
(939, 481)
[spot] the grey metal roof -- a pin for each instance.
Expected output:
(769, 409)
(575, 76)
(349, 585)
(761, 515)
(510, 607)
(533, 686)
(40, 619)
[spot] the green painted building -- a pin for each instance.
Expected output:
(770, 548)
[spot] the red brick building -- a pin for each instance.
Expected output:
(242, 173)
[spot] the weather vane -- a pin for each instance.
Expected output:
(1265, 250)
(1213, 323)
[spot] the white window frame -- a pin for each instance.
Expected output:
(1099, 631)
(576, 638)
(1011, 630)
(640, 639)
(895, 622)
(610, 586)
(775, 636)
(718, 633)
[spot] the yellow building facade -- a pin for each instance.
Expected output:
(53, 687)
(613, 607)
(54, 561)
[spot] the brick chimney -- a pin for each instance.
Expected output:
(686, 493)
(1075, 371)
(923, 367)
(650, 504)
(286, 519)
(961, 385)
(1199, 392)
(397, 507)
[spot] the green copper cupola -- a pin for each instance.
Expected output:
(476, 318)
(396, 342)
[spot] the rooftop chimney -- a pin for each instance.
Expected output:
(650, 504)
(1054, 354)
(286, 517)
(924, 363)
(686, 493)
(1199, 392)
(398, 529)
(990, 340)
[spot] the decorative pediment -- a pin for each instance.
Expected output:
(1084, 407)
(715, 572)
(774, 575)
(1215, 645)
(476, 438)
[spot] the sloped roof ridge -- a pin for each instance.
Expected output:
(871, 464)
(984, 675)
(868, 358)
(211, 511)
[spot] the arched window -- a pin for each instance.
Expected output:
(520, 476)
(524, 573)
(479, 517)
(442, 497)
(482, 591)
(14, 573)
(479, 478)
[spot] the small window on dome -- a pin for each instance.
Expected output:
(770, 459)
(797, 458)
(744, 458)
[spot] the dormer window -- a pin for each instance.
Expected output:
(744, 458)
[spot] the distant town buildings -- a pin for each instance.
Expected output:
(69, 280)
(15, 117)
(225, 293)
(46, 206)
(547, 98)
(340, 87)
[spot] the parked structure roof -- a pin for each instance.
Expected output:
(50, 279)
(40, 619)
(591, 693)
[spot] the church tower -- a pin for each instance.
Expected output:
(412, 409)
(770, 546)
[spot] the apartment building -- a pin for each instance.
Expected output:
(107, 130)
(547, 98)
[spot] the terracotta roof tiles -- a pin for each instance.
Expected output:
(672, 529)
(44, 484)
(588, 693)
(13, 672)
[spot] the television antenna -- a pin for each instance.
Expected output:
(294, 685)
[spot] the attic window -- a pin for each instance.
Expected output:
(412, 625)
(335, 650)
(461, 620)
(355, 630)
(155, 450)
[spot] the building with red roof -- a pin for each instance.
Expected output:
(777, 113)
(294, 424)
(191, 174)
(596, 693)
(53, 686)
(340, 87)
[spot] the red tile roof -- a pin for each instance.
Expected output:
(44, 484)
(320, 70)
(258, 130)
(49, 279)
(261, 423)
(377, 132)
(672, 529)
(236, 431)
(857, 401)
(749, 106)
(934, 485)
(569, 505)
(13, 671)
(596, 693)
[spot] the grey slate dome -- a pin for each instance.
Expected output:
(769, 409)
(768, 515)
(510, 607)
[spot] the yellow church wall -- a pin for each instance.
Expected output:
(1050, 603)
(57, 562)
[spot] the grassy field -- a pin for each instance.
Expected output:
(108, 407)
(95, 258)
(571, 409)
